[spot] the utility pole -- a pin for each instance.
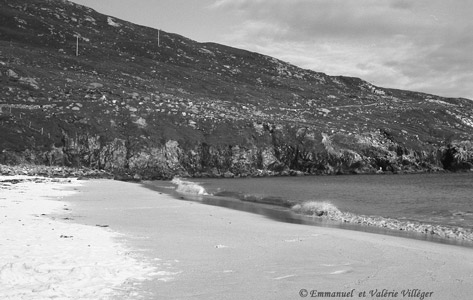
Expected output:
(77, 45)
(158, 37)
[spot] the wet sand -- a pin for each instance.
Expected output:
(209, 252)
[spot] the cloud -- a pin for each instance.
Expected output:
(328, 18)
(396, 43)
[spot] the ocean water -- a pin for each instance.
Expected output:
(443, 199)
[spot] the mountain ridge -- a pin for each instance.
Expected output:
(131, 103)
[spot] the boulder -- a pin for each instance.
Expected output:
(228, 174)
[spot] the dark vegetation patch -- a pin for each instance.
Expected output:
(129, 103)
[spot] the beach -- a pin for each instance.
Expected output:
(43, 256)
(149, 245)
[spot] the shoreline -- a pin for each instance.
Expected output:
(321, 214)
(211, 252)
(182, 249)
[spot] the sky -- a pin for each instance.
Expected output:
(418, 45)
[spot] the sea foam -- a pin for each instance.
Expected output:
(188, 187)
(329, 211)
(316, 208)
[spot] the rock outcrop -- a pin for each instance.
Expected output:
(140, 109)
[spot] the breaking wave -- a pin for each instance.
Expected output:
(329, 211)
(188, 187)
(315, 208)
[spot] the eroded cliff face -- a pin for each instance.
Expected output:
(270, 151)
(132, 106)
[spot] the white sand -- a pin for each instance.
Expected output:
(42, 258)
(204, 252)
(218, 253)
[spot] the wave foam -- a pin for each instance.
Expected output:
(331, 212)
(187, 187)
(315, 208)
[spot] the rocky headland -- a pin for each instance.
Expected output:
(121, 102)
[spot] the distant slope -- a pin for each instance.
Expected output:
(132, 104)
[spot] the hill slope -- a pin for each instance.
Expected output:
(130, 102)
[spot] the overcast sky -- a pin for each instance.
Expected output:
(420, 45)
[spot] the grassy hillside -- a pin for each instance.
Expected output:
(130, 103)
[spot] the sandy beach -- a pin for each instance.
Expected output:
(151, 246)
(43, 257)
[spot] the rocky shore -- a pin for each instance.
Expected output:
(334, 155)
(52, 172)
(246, 115)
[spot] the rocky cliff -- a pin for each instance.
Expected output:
(79, 88)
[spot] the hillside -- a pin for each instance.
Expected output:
(138, 101)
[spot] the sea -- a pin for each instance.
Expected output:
(443, 200)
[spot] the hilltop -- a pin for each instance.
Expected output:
(133, 100)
